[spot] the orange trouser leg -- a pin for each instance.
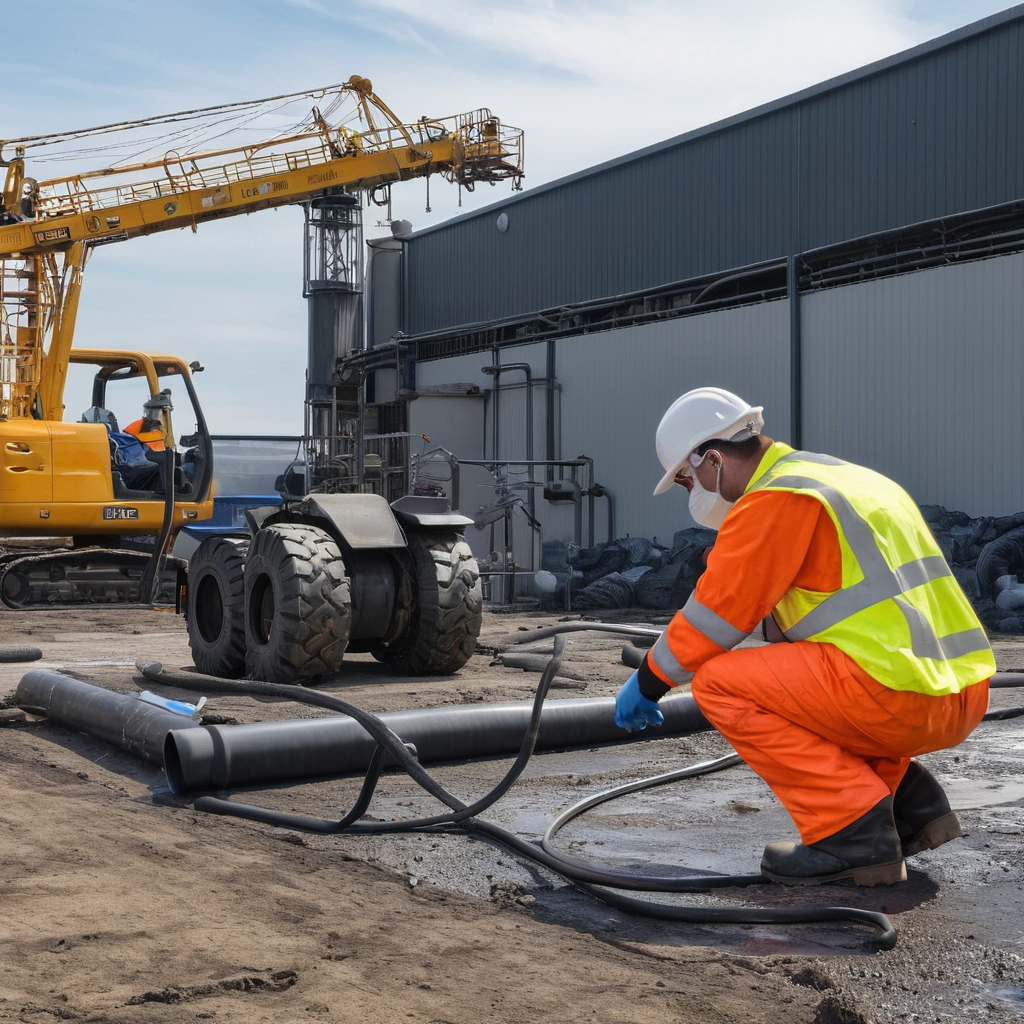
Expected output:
(828, 739)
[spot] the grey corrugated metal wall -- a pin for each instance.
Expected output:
(920, 376)
(616, 385)
(935, 131)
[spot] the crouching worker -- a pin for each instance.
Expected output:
(880, 656)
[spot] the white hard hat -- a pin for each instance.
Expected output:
(698, 416)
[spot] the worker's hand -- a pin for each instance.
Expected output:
(633, 711)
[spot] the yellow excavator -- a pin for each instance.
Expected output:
(98, 481)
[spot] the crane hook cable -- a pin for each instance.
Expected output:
(593, 880)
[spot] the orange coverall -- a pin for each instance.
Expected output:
(153, 438)
(830, 740)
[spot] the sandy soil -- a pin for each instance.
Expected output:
(120, 902)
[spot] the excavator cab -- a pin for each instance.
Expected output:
(134, 396)
(88, 476)
(119, 494)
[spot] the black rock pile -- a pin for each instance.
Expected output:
(986, 555)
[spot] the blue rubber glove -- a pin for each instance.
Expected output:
(633, 711)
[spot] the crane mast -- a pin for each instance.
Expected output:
(49, 228)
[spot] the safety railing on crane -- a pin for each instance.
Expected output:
(24, 296)
(484, 149)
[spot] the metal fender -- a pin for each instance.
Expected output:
(359, 521)
(425, 512)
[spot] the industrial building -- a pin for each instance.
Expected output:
(850, 256)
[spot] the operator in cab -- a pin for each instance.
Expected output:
(874, 653)
(150, 428)
(149, 432)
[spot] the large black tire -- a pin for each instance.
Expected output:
(297, 604)
(216, 607)
(445, 619)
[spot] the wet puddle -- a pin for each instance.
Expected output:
(972, 794)
(1012, 994)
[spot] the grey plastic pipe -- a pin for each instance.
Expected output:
(197, 757)
(220, 757)
(120, 719)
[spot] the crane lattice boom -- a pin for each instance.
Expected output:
(49, 227)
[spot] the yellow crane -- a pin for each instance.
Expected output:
(71, 479)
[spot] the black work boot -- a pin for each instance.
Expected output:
(866, 852)
(923, 816)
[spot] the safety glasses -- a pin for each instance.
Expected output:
(685, 475)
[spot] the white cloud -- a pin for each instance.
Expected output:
(594, 80)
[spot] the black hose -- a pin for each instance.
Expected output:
(1006, 680)
(1003, 714)
(1003, 681)
(593, 880)
(633, 656)
(151, 574)
(11, 653)
(391, 743)
(705, 768)
(623, 629)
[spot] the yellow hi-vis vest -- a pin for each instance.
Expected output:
(900, 613)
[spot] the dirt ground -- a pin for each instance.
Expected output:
(121, 902)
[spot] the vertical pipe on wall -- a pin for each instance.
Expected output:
(795, 353)
(495, 450)
(549, 412)
(496, 370)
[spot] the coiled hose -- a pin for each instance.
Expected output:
(593, 880)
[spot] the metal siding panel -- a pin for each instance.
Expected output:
(616, 386)
(910, 201)
(512, 404)
(964, 165)
(936, 134)
(996, 119)
(931, 143)
(512, 409)
(434, 372)
(919, 376)
(456, 424)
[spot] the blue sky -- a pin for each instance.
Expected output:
(587, 80)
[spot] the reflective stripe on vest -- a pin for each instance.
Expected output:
(928, 665)
(710, 623)
(663, 656)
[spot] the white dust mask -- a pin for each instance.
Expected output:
(708, 508)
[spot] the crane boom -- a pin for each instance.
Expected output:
(48, 228)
